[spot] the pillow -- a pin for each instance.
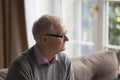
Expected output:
(100, 65)
(3, 73)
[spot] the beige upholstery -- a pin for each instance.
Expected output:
(101, 65)
(3, 73)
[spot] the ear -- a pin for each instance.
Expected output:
(44, 39)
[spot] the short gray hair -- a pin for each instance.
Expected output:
(44, 25)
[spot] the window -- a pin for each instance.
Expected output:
(80, 17)
(85, 28)
(113, 25)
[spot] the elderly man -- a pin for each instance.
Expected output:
(44, 61)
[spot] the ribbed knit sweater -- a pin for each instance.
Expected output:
(25, 67)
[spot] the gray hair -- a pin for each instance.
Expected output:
(44, 25)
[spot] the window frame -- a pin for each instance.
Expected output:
(108, 46)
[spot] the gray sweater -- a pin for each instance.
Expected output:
(25, 67)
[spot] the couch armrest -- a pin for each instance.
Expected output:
(3, 73)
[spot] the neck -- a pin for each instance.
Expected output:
(46, 52)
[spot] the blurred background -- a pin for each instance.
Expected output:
(92, 25)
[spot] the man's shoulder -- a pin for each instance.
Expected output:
(24, 57)
(63, 57)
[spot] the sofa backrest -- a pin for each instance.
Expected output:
(102, 65)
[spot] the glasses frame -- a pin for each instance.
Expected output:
(59, 36)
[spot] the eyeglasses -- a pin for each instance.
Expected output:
(60, 36)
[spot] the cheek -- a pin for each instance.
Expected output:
(58, 44)
(62, 45)
(55, 44)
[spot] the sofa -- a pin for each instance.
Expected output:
(3, 73)
(101, 65)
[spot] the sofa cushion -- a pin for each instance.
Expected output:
(101, 65)
(3, 73)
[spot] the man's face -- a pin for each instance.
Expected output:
(58, 40)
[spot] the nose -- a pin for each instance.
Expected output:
(66, 38)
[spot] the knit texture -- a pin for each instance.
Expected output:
(25, 67)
